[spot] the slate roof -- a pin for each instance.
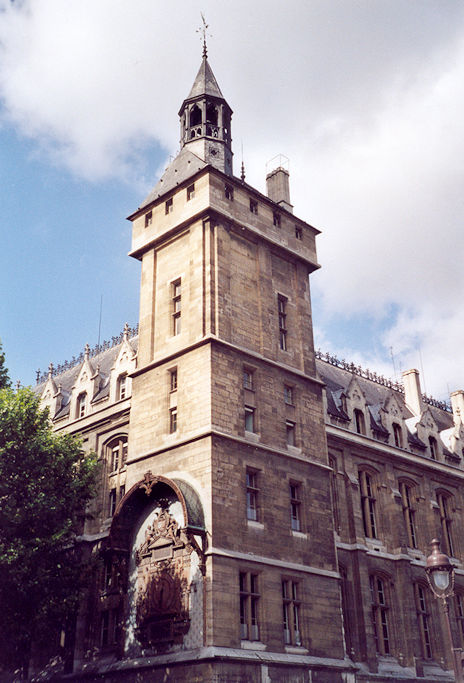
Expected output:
(337, 381)
(66, 380)
(184, 165)
(205, 83)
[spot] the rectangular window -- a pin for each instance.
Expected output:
(176, 306)
(122, 491)
(367, 504)
(148, 218)
(408, 514)
(124, 453)
(105, 624)
(252, 495)
(459, 602)
(397, 435)
(288, 395)
(253, 206)
(445, 523)
(380, 615)
(173, 379)
(249, 606)
(122, 387)
(229, 192)
(291, 612)
(190, 192)
(115, 458)
(173, 420)
(298, 232)
(276, 219)
(248, 379)
(81, 404)
(112, 502)
(249, 419)
(290, 427)
(295, 506)
(282, 310)
(168, 207)
(423, 620)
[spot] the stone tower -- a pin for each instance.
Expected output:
(225, 534)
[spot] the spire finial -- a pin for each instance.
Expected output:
(242, 173)
(202, 30)
(87, 351)
(50, 370)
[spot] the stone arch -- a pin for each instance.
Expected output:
(156, 546)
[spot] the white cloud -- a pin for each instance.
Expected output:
(366, 100)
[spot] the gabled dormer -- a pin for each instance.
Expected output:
(124, 364)
(357, 407)
(84, 389)
(50, 393)
(392, 420)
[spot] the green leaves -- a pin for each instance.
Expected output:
(46, 481)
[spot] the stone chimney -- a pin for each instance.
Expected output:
(412, 391)
(457, 404)
(278, 188)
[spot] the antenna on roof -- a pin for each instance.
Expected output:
(242, 173)
(422, 368)
(100, 319)
(393, 361)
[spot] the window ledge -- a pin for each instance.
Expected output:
(252, 436)
(299, 534)
(296, 650)
(255, 525)
(252, 645)
(294, 449)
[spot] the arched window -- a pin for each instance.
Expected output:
(211, 114)
(397, 435)
(360, 421)
(117, 453)
(380, 614)
(433, 448)
(367, 504)
(408, 513)
(443, 501)
(81, 404)
(422, 611)
(195, 115)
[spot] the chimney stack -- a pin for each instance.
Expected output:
(412, 391)
(277, 184)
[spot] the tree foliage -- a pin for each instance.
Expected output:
(45, 483)
(4, 378)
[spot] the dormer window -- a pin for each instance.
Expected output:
(397, 435)
(148, 218)
(81, 404)
(122, 387)
(433, 448)
(359, 421)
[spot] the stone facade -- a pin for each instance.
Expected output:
(263, 514)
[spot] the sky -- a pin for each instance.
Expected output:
(364, 98)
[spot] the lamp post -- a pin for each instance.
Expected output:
(440, 577)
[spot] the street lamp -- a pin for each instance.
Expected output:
(440, 577)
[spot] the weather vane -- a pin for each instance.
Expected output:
(203, 31)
